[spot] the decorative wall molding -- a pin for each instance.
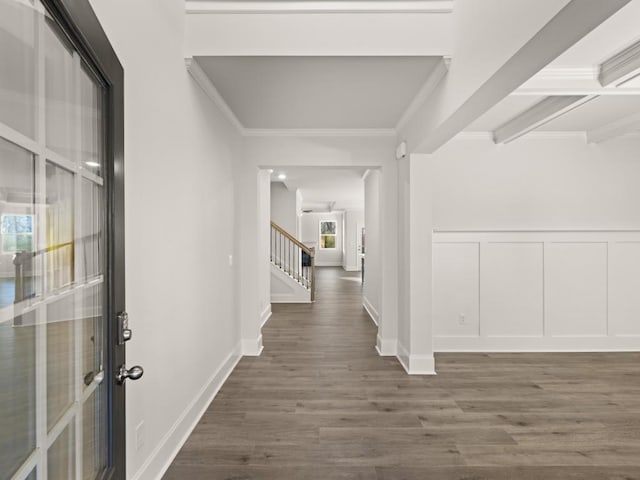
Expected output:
(436, 76)
(567, 73)
(203, 80)
(533, 135)
(160, 459)
(318, 6)
(536, 290)
(622, 67)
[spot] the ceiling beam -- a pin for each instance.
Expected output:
(536, 116)
(615, 129)
(622, 67)
(517, 40)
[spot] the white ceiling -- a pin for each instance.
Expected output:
(318, 92)
(321, 187)
(595, 113)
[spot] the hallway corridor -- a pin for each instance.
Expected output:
(320, 404)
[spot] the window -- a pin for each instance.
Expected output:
(17, 233)
(328, 234)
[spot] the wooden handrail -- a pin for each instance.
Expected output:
(295, 241)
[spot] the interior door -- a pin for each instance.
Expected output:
(61, 231)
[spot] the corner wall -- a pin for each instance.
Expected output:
(179, 188)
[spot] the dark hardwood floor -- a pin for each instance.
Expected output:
(320, 404)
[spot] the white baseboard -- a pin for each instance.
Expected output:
(575, 343)
(252, 347)
(351, 269)
(160, 459)
(284, 298)
(386, 347)
(373, 313)
(265, 316)
(416, 364)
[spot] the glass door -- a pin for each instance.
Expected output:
(55, 417)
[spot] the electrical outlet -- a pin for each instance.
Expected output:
(231, 260)
(140, 435)
(462, 319)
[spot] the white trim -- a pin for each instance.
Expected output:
(373, 313)
(546, 91)
(622, 67)
(577, 343)
(160, 459)
(265, 315)
(251, 347)
(435, 77)
(386, 347)
(533, 135)
(323, 6)
(203, 80)
(416, 364)
(538, 115)
(567, 73)
(319, 132)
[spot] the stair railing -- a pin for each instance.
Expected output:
(294, 258)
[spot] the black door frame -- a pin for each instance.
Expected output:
(80, 23)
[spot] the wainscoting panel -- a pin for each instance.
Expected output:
(575, 289)
(624, 285)
(456, 295)
(536, 290)
(512, 289)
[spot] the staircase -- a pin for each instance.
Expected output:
(292, 268)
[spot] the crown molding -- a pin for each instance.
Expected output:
(319, 6)
(474, 136)
(623, 66)
(320, 132)
(203, 80)
(567, 73)
(425, 91)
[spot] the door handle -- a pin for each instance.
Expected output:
(134, 373)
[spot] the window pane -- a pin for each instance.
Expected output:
(60, 373)
(17, 392)
(94, 434)
(17, 274)
(91, 122)
(91, 237)
(328, 227)
(60, 227)
(61, 456)
(59, 92)
(328, 241)
(17, 58)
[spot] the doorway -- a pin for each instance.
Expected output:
(61, 244)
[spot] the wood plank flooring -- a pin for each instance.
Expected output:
(320, 404)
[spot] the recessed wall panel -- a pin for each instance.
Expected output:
(512, 297)
(624, 288)
(576, 289)
(456, 289)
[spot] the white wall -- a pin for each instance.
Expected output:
(371, 289)
(283, 207)
(179, 152)
(310, 236)
(350, 254)
(537, 245)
